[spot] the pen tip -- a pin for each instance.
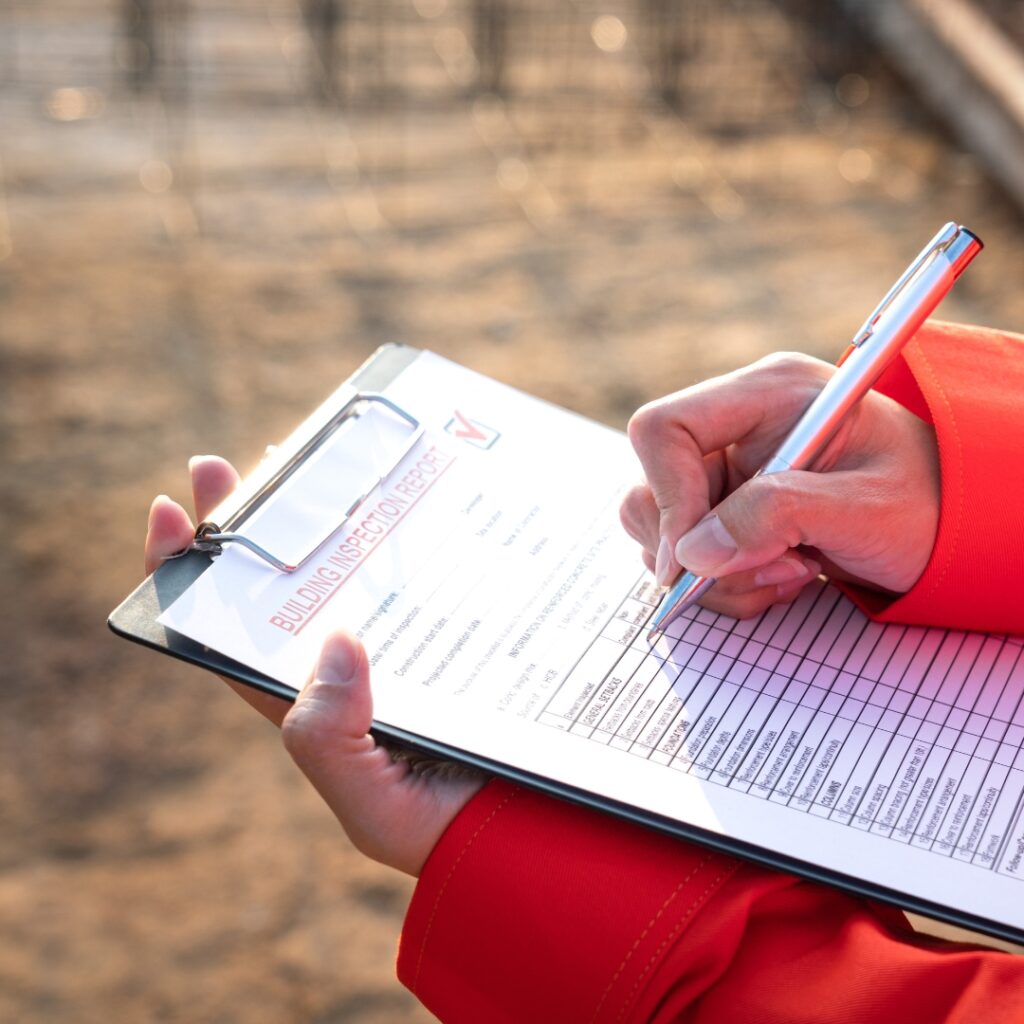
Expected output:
(653, 634)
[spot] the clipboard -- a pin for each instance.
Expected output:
(135, 619)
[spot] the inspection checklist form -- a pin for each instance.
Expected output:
(503, 610)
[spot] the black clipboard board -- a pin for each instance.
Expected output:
(135, 619)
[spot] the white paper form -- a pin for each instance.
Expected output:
(913, 735)
(503, 612)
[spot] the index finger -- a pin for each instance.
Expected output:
(748, 409)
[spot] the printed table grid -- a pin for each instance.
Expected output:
(912, 734)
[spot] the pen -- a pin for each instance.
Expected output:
(893, 322)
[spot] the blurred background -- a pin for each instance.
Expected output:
(211, 213)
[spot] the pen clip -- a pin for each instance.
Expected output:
(942, 241)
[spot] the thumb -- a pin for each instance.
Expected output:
(327, 730)
(769, 515)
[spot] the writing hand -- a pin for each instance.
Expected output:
(868, 513)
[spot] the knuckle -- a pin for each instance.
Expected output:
(626, 518)
(771, 498)
(305, 731)
(633, 510)
(629, 523)
(634, 501)
(790, 366)
(665, 424)
(661, 418)
(645, 422)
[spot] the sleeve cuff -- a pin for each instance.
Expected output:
(967, 382)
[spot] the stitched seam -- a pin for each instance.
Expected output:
(670, 938)
(444, 887)
(958, 521)
(650, 924)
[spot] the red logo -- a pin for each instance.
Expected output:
(471, 431)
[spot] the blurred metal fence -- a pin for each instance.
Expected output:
(536, 77)
(730, 61)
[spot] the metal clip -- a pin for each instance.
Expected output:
(210, 537)
(942, 241)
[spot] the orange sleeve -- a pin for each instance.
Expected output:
(532, 910)
(968, 382)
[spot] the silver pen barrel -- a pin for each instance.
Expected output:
(902, 319)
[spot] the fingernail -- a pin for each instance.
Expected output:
(790, 588)
(784, 570)
(196, 460)
(662, 563)
(708, 545)
(337, 665)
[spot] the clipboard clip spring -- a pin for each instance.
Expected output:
(211, 537)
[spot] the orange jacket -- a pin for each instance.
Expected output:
(531, 910)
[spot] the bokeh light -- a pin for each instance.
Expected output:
(609, 33)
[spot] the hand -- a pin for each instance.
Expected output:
(391, 809)
(867, 514)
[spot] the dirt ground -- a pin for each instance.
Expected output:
(192, 267)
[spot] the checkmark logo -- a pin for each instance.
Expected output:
(471, 431)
